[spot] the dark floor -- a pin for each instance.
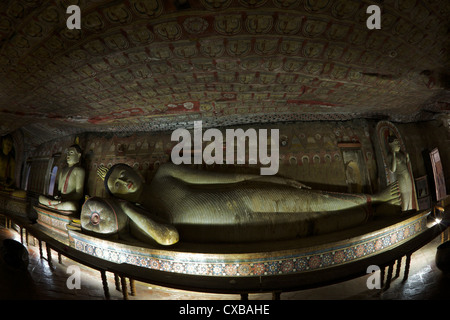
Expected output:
(425, 281)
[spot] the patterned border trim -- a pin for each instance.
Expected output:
(52, 219)
(256, 264)
(53, 222)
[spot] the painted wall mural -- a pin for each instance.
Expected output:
(148, 65)
(310, 152)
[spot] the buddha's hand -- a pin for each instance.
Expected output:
(166, 235)
(283, 181)
(296, 184)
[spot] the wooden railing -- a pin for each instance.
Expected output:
(230, 285)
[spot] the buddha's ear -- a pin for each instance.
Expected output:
(76, 142)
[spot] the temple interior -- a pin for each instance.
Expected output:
(224, 149)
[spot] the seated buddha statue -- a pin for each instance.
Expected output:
(195, 205)
(7, 163)
(8, 169)
(70, 184)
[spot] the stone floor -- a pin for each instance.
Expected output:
(41, 282)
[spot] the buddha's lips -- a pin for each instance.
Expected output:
(130, 185)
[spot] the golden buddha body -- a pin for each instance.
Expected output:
(196, 205)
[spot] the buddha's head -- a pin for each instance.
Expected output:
(122, 181)
(394, 143)
(73, 155)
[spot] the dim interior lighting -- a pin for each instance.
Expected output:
(438, 213)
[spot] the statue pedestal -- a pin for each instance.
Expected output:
(54, 222)
(280, 258)
(14, 202)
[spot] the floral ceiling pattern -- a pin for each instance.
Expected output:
(150, 65)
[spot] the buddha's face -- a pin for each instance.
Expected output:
(72, 156)
(395, 145)
(124, 180)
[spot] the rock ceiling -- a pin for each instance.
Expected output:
(147, 65)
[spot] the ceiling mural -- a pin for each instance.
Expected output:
(149, 65)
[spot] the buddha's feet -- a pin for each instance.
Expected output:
(64, 207)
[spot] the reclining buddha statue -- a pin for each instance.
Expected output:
(184, 203)
(70, 184)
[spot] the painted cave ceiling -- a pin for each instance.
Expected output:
(151, 65)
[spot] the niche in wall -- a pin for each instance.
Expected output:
(357, 176)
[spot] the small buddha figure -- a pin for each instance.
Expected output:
(70, 184)
(7, 163)
(7, 169)
(204, 206)
(398, 164)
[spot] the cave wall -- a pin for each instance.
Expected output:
(334, 156)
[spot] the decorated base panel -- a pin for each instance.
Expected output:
(14, 202)
(272, 262)
(53, 222)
